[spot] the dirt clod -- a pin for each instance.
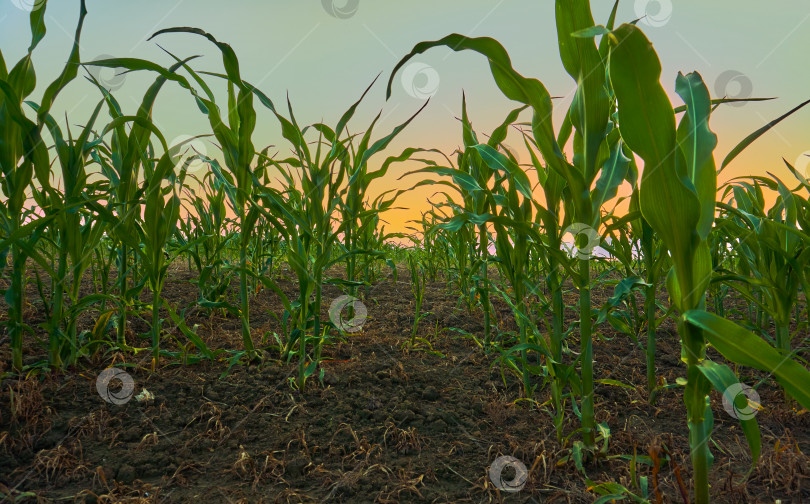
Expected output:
(430, 393)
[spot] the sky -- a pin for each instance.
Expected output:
(324, 53)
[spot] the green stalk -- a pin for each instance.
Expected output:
(695, 397)
(649, 309)
(155, 327)
(783, 337)
(17, 287)
(417, 287)
(557, 308)
(649, 306)
(122, 283)
(586, 358)
(783, 344)
(317, 312)
(350, 269)
(485, 289)
(302, 345)
(55, 336)
(243, 296)
(72, 320)
(525, 359)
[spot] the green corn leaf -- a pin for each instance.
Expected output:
(68, 73)
(697, 143)
(37, 22)
(756, 134)
(513, 85)
(188, 333)
(612, 174)
(590, 107)
(722, 378)
(383, 142)
(499, 161)
(647, 125)
(747, 349)
(499, 134)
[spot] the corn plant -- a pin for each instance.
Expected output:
(23, 154)
(418, 289)
(432, 242)
(77, 227)
(205, 239)
(238, 151)
(480, 202)
(355, 209)
(162, 210)
(129, 152)
(597, 144)
(774, 247)
(556, 267)
(371, 236)
(484, 176)
(677, 198)
(305, 215)
(631, 245)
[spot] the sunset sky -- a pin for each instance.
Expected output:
(324, 54)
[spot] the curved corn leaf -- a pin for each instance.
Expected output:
(747, 349)
(723, 378)
(697, 143)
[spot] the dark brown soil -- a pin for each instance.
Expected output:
(386, 425)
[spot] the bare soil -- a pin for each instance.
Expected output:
(386, 424)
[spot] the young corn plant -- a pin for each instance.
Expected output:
(305, 214)
(206, 239)
(23, 154)
(551, 218)
(236, 142)
(677, 198)
(418, 289)
(371, 236)
(597, 144)
(129, 152)
(630, 246)
(655, 265)
(78, 225)
(161, 213)
(774, 247)
(497, 192)
(361, 234)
